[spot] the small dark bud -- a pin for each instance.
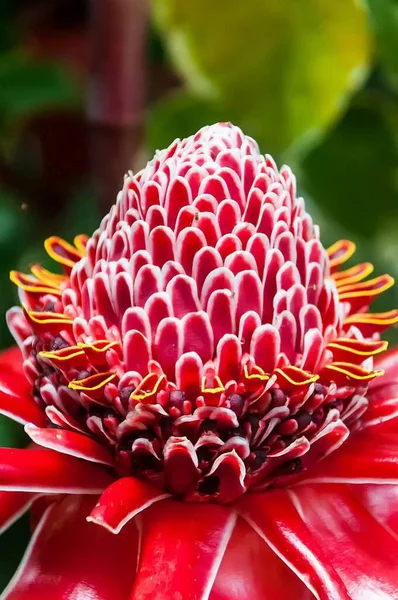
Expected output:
(278, 398)
(176, 399)
(58, 343)
(236, 402)
(320, 389)
(303, 419)
(125, 394)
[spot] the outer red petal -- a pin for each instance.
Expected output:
(71, 443)
(12, 359)
(182, 547)
(382, 409)
(39, 507)
(122, 500)
(388, 362)
(383, 393)
(70, 559)
(12, 506)
(387, 390)
(370, 456)
(16, 400)
(51, 472)
(274, 516)
(382, 502)
(363, 553)
(250, 570)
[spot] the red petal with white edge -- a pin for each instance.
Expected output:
(189, 373)
(69, 558)
(198, 335)
(12, 506)
(381, 410)
(122, 500)
(12, 359)
(229, 354)
(71, 443)
(16, 401)
(221, 311)
(275, 518)
(387, 362)
(265, 347)
(180, 465)
(39, 507)
(363, 553)
(382, 502)
(250, 570)
(383, 393)
(230, 470)
(182, 548)
(370, 456)
(51, 472)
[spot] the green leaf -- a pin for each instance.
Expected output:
(282, 70)
(11, 434)
(352, 174)
(12, 546)
(352, 178)
(81, 214)
(28, 86)
(384, 19)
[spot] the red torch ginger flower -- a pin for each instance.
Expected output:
(213, 372)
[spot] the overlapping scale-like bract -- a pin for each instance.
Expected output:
(203, 334)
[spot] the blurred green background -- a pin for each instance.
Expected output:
(314, 81)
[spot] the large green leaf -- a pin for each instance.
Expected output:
(12, 546)
(352, 178)
(282, 69)
(352, 174)
(384, 19)
(11, 433)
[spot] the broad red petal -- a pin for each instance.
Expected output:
(383, 393)
(387, 362)
(39, 507)
(370, 456)
(16, 399)
(382, 502)
(51, 472)
(387, 390)
(250, 570)
(363, 553)
(12, 506)
(71, 443)
(182, 547)
(382, 409)
(122, 500)
(12, 359)
(70, 559)
(274, 517)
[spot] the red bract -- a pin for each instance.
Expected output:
(201, 345)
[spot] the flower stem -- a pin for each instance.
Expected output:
(117, 91)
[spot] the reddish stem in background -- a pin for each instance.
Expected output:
(117, 91)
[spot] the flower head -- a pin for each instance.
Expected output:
(202, 341)
(203, 335)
